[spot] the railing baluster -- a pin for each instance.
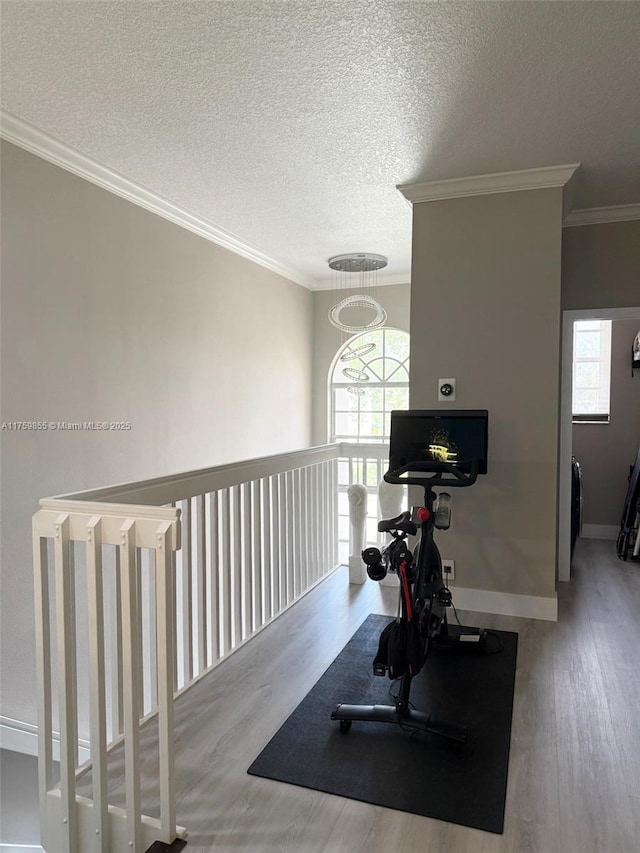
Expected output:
(67, 688)
(214, 545)
(282, 541)
(308, 525)
(299, 532)
(235, 567)
(303, 526)
(140, 619)
(275, 544)
(323, 519)
(225, 610)
(165, 654)
(320, 500)
(131, 676)
(267, 562)
(291, 542)
(187, 591)
(149, 639)
(246, 566)
(257, 618)
(174, 615)
(202, 583)
(97, 683)
(117, 664)
(43, 668)
(313, 524)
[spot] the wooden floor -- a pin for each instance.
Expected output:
(574, 773)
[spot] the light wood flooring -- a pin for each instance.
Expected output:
(574, 771)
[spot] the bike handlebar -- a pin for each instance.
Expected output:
(460, 478)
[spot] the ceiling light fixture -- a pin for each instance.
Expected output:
(366, 264)
(356, 269)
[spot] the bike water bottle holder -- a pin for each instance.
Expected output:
(442, 516)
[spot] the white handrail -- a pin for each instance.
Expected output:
(175, 487)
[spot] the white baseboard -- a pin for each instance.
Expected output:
(505, 603)
(23, 737)
(600, 531)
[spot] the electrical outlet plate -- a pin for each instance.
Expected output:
(449, 570)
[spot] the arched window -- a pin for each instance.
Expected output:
(369, 378)
(360, 411)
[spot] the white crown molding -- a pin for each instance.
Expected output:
(36, 141)
(500, 182)
(380, 281)
(600, 215)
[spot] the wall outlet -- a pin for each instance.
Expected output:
(449, 570)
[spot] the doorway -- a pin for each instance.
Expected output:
(566, 426)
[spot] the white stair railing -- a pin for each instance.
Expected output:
(173, 575)
(70, 822)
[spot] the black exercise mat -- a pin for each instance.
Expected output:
(380, 763)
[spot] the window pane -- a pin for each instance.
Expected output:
(395, 371)
(396, 344)
(587, 325)
(371, 400)
(587, 374)
(345, 401)
(396, 398)
(585, 402)
(587, 345)
(346, 423)
(377, 422)
(376, 367)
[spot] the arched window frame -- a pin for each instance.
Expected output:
(369, 468)
(397, 380)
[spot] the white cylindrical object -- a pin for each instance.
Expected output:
(357, 495)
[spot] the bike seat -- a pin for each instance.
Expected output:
(401, 522)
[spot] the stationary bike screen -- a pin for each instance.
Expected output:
(432, 438)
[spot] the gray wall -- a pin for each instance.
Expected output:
(485, 309)
(112, 313)
(605, 451)
(395, 299)
(601, 266)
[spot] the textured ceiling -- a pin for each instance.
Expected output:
(289, 124)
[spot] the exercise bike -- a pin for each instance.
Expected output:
(424, 597)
